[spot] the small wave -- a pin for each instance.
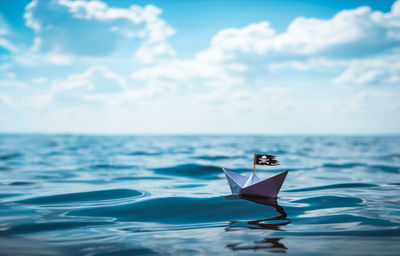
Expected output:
(190, 186)
(214, 158)
(112, 166)
(8, 195)
(10, 156)
(28, 247)
(83, 196)
(191, 170)
(272, 152)
(141, 178)
(61, 175)
(144, 153)
(344, 185)
(166, 194)
(181, 210)
(344, 165)
(391, 169)
(51, 226)
(21, 183)
(321, 202)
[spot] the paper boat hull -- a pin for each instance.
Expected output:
(240, 185)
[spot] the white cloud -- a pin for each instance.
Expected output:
(308, 44)
(365, 101)
(273, 99)
(28, 16)
(254, 37)
(221, 96)
(380, 70)
(151, 53)
(128, 97)
(239, 81)
(58, 59)
(4, 33)
(320, 63)
(39, 80)
(276, 100)
(157, 29)
(92, 28)
(99, 84)
(6, 99)
(95, 79)
(6, 44)
(355, 32)
(12, 84)
(376, 100)
(12, 92)
(35, 59)
(192, 71)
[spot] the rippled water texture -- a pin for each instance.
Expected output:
(166, 195)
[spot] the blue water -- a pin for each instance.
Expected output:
(166, 195)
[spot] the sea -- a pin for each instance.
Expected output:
(167, 195)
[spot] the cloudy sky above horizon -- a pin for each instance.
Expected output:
(254, 67)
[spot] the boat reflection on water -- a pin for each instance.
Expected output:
(272, 244)
(274, 223)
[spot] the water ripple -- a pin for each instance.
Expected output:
(334, 186)
(167, 195)
(83, 196)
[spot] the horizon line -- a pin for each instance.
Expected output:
(196, 134)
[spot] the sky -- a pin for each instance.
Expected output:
(200, 67)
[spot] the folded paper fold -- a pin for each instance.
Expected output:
(253, 186)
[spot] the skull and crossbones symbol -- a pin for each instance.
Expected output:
(263, 160)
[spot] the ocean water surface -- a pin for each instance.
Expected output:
(167, 195)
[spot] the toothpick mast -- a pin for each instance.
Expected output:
(254, 163)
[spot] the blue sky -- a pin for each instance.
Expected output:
(247, 67)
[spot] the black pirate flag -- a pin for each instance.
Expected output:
(260, 159)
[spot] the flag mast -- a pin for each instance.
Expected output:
(254, 163)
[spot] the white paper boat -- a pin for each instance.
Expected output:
(253, 186)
